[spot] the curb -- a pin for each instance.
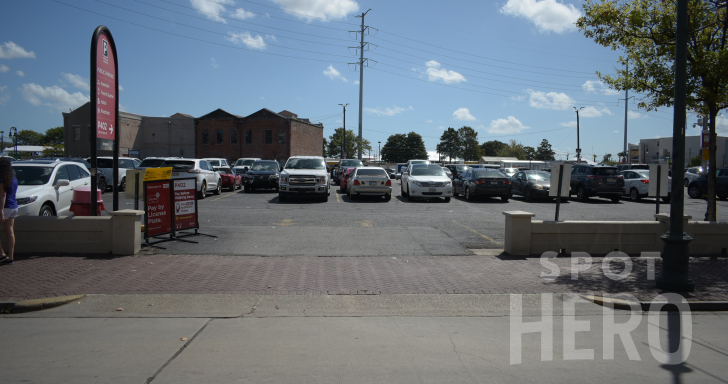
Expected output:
(45, 303)
(697, 306)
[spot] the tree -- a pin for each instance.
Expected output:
(28, 137)
(529, 153)
(607, 157)
(491, 148)
(400, 147)
(469, 147)
(646, 31)
(449, 145)
(544, 151)
(513, 149)
(351, 144)
(324, 149)
(622, 155)
(53, 136)
(53, 150)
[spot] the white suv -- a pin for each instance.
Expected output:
(106, 164)
(244, 162)
(45, 187)
(304, 176)
(207, 179)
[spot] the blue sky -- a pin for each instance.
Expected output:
(512, 69)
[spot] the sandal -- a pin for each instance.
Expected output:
(6, 260)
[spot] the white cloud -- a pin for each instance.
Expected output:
(4, 94)
(212, 10)
(618, 132)
(242, 14)
(635, 115)
(247, 39)
(507, 126)
(518, 98)
(262, 98)
(550, 100)
(594, 112)
(333, 74)
(569, 124)
(213, 62)
(442, 127)
(429, 121)
(595, 86)
(20, 73)
(121, 88)
(547, 15)
(309, 9)
(434, 73)
(463, 114)
(54, 96)
(4, 68)
(271, 37)
(387, 111)
(14, 51)
(356, 82)
(76, 80)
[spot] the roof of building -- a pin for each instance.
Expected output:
(178, 114)
(496, 158)
(287, 113)
(219, 113)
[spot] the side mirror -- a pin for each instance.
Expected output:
(62, 183)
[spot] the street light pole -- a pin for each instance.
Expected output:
(380, 152)
(578, 147)
(343, 138)
(14, 134)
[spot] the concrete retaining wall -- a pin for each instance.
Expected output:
(118, 234)
(525, 236)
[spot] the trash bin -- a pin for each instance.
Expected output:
(81, 202)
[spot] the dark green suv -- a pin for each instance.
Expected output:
(596, 180)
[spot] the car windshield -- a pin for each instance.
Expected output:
(214, 163)
(462, 168)
(305, 164)
(606, 171)
(267, 166)
(32, 175)
(179, 164)
(645, 174)
(371, 172)
(244, 163)
(351, 163)
(104, 163)
(480, 173)
(510, 170)
(538, 176)
(151, 163)
(427, 170)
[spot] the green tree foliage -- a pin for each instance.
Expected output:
(607, 157)
(28, 137)
(351, 144)
(646, 31)
(544, 151)
(513, 149)
(53, 136)
(53, 150)
(469, 147)
(491, 148)
(695, 161)
(529, 153)
(449, 145)
(400, 147)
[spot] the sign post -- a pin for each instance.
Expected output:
(560, 182)
(104, 106)
(658, 184)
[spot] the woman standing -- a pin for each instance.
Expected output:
(8, 187)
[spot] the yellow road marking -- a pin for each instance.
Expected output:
(366, 223)
(338, 200)
(476, 232)
(221, 197)
(285, 223)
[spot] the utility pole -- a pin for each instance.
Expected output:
(380, 152)
(343, 138)
(578, 147)
(626, 102)
(361, 47)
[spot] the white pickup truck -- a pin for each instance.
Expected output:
(304, 176)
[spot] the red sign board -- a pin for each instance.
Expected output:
(105, 87)
(158, 206)
(185, 204)
(706, 139)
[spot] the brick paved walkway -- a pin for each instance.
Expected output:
(45, 276)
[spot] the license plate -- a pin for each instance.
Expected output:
(372, 183)
(432, 189)
(175, 173)
(494, 183)
(610, 180)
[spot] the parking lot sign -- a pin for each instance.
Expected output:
(185, 204)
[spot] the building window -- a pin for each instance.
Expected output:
(281, 136)
(219, 137)
(205, 137)
(77, 133)
(269, 136)
(248, 136)
(234, 136)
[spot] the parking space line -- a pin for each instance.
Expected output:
(338, 200)
(229, 194)
(476, 232)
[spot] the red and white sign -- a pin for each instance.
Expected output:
(185, 204)
(105, 88)
(159, 210)
(706, 139)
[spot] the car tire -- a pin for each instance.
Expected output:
(564, 199)
(281, 197)
(325, 198)
(341, 189)
(46, 211)
(581, 194)
(666, 199)
(634, 195)
(122, 186)
(102, 186)
(203, 191)
(401, 187)
(505, 198)
(246, 189)
(387, 197)
(447, 199)
(527, 194)
(687, 182)
(455, 191)
(410, 198)
(468, 195)
(615, 199)
(694, 192)
(218, 190)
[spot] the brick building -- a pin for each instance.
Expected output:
(264, 134)
(76, 132)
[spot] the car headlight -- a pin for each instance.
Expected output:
(284, 180)
(320, 179)
(415, 182)
(273, 177)
(26, 200)
(538, 186)
(446, 183)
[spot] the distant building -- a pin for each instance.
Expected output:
(495, 160)
(659, 150)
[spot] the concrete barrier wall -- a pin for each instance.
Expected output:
(525, 236)
(118, 234)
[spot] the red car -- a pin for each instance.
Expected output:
(230, 180)
(345, 174)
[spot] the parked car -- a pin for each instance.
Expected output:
(625, 167)
(457, 169)
(152, 162)
(425, 181)
(344, 179)
(699, 186)
(106, 164)
(482, 182)
(243, 164)
(448, 172)
(263, 174)
(207, 179)
(596, 180)
(692, 173)
(392, 173)
(369, 181)
(637, 184)
(344, 163)
(532, 185)
(101, 179)
(304, 175)
(230, 180)
(217, 162)
(510, 172)
(45, 187)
